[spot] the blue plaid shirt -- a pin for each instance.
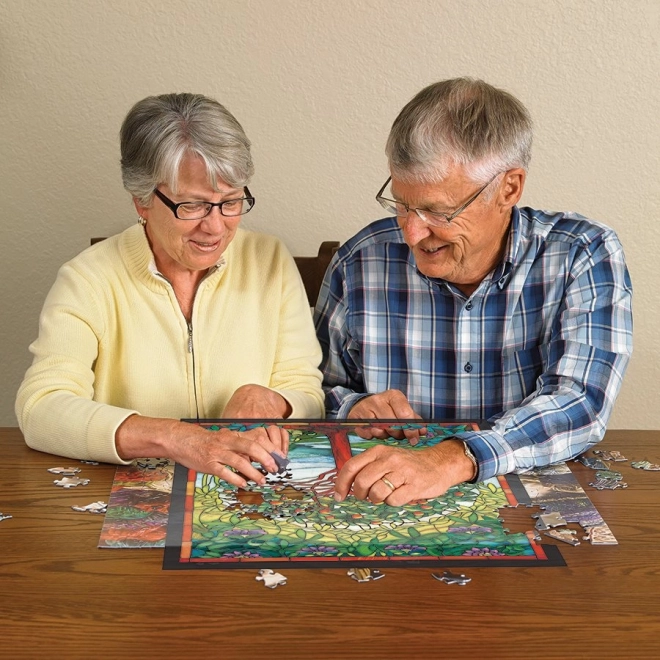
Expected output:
(539, 349)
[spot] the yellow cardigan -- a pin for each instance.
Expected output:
(113, 341)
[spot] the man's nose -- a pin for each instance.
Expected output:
(414, 228)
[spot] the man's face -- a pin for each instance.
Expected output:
(464, 251)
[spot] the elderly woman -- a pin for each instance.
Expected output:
(184, 315)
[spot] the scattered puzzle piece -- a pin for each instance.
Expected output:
(270, 578)
(593, 463)
(4, 516)
(609, 474)
(94, 507)
(71, 482)
(611, 455)
(365, 574)
(548, 520)
(565, 535)
(452, 578)
(645, 465)
(65, 472)
(608, 484)
(600, 535)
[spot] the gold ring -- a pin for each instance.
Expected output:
(387, 482)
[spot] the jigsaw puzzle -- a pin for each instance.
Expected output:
(136, 515)
(293, 521)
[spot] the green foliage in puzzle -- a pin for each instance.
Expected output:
(464, 521)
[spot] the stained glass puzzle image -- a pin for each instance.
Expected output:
(294, 520)
(138, 507)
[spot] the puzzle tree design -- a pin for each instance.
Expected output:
(294, 518)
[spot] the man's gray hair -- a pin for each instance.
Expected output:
(459, 122)
(160, 131)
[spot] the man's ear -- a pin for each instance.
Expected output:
(512, 188)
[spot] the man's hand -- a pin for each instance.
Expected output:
(256, 402)
(391, 404)
(397, 476)
(226, 454)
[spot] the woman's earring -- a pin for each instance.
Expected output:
(141, 221)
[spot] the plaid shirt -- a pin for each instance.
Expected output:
(539, 349)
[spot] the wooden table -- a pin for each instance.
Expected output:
(62, 597)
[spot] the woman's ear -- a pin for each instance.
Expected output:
(142, 211)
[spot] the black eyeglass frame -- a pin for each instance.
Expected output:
(174, 206)
(442, 218)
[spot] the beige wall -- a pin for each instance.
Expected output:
(316, 86)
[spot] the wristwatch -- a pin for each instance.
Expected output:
(473, 460)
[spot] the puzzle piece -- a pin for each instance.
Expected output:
(645, 465)
(281, 462)
(565, 535)
(4, 516)
(452, 578)
(270, 578)
(608, 484)
(71, 482)
(609, 474)
(611, 455)
(548, 520)
(365, 574)
(94, 507)
(65, 472)
(151, 463)
(593, 463)
(600, 535)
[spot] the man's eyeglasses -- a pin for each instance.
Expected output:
(434, 218)
(199, 210)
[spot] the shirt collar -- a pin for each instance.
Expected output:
(502, 273)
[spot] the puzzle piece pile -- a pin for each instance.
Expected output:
(68, 479)
(607, 479)
(547, 522)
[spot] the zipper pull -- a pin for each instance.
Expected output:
(190, 344)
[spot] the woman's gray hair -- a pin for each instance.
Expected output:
(459, 122)
(160, 130)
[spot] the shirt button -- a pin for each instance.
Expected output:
(469, 305)
(468, 367)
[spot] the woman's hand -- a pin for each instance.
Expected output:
(256, 402)
(225, 453)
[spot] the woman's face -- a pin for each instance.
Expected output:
(189, 245)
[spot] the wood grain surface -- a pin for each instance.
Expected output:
(62, 597)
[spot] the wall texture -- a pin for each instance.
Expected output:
(317, 86)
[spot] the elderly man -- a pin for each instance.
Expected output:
(465, 306)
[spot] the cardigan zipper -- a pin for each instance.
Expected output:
(191, 350)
